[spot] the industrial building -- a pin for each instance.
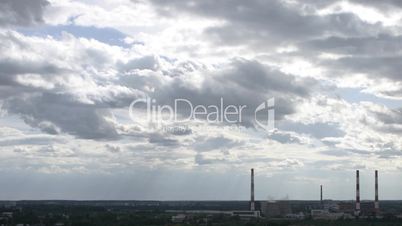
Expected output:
(275, 208)
(319, 209)
(325, 209)
(357, 208)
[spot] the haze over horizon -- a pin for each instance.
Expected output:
(70, 69)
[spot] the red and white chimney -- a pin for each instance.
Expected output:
(357, 213)
(252, 203)
(321, 194)
(376, 203)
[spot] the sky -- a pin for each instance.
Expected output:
(70, 70)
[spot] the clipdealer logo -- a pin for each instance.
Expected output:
(162, 115)
(269, 107)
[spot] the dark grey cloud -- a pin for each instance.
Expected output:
(379, 45)
(266, 23)
(22, 12)
(252, 75)
(162, 140)
(10, 69)
(113, 148)
(47, 127)
(239, 82)
(391, 120)
(390, 117)
(242, 82)
(378, 57)
(389, 153)
(389, 5)
(375, 67)
(81, 120)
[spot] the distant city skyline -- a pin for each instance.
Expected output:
(304, 92)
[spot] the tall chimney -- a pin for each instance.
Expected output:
(357, 194)
(252, 203)
(376, 203)
(321, 194)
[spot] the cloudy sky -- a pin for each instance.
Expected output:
(70, 69)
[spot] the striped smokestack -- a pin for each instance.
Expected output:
(357, 194)
(252, 203)
(376, 203)
(321, 194)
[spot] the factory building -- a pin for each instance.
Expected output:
(275, 209)
(324, 209)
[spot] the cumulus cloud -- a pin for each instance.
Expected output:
(240, 82)
(339, 31)
(49, 94)
(81, 120)
(259, 23)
